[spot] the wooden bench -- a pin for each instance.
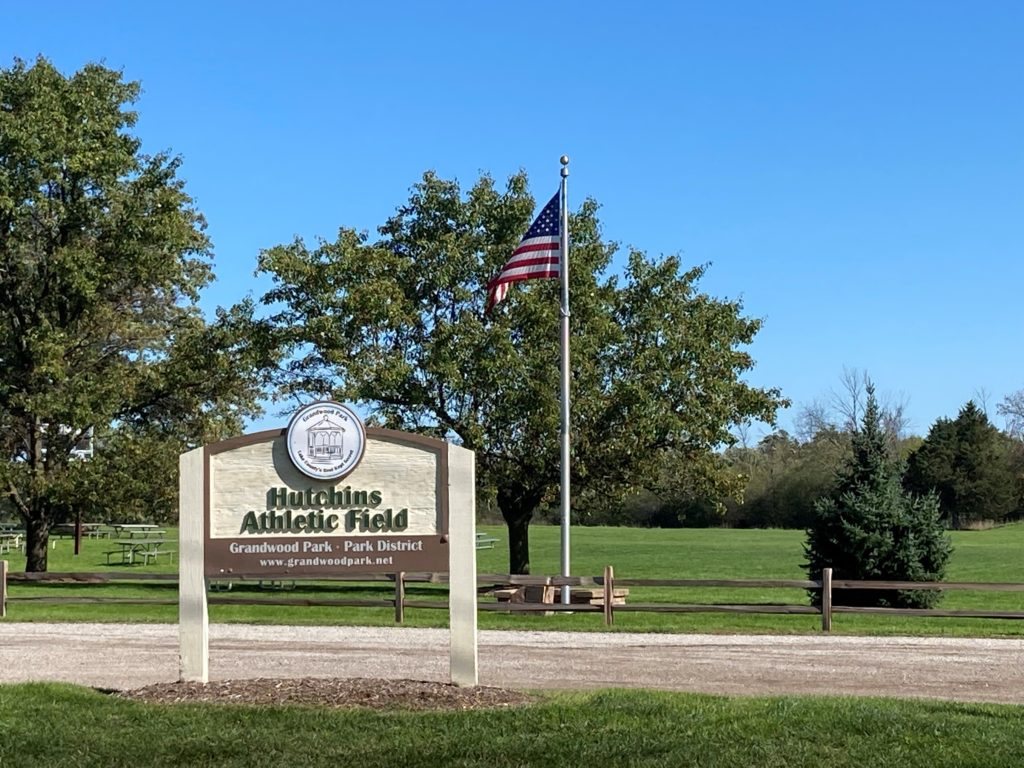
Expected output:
(10, 542)
(220, 585)
(550, 594)
(275, 585)
(484, 541)
(530, 593)
(595, 596)
(128, 555)
(119, 552)
(148, 555)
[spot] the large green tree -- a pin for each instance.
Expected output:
(102, 257)
(869, 528)
(968, 463)
(398, 323)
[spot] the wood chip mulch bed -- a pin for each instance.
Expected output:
(335, 693)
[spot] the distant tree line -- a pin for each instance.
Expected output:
(975, 470)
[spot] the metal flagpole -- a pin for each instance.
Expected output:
(563, 264)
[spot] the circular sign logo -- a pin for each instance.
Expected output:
(326, 440)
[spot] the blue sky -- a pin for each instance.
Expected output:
(853, 171)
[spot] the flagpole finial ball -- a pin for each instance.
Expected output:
(564, 159)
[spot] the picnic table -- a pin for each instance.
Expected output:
(131, 530)
(10, 540)
(134, 550)
(92, 530)
(485, 541)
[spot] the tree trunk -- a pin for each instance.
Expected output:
(34, 511)
(517, 505)
(37, 542)
(519, 542)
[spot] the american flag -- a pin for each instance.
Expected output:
(535, 257)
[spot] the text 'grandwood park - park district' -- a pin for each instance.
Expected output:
(311, 547)
(359, 517)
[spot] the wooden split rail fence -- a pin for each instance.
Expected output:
(606, 591)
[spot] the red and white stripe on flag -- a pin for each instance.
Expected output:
(536, 256)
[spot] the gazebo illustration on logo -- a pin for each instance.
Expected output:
(325, 441)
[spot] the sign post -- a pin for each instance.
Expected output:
(326, 497)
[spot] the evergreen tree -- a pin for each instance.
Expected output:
(967, 463)
(869, 528)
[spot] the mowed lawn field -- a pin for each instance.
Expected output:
(60, 725)
(979, 556)
(64, 725)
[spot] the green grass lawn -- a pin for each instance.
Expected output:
(993, 555)
(62, 725)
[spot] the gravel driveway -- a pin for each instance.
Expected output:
(131, 656)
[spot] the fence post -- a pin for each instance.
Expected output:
(399, 597)
(826, 599)
(3, 588)
(609, 595)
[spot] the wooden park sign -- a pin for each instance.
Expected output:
(326, 496)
